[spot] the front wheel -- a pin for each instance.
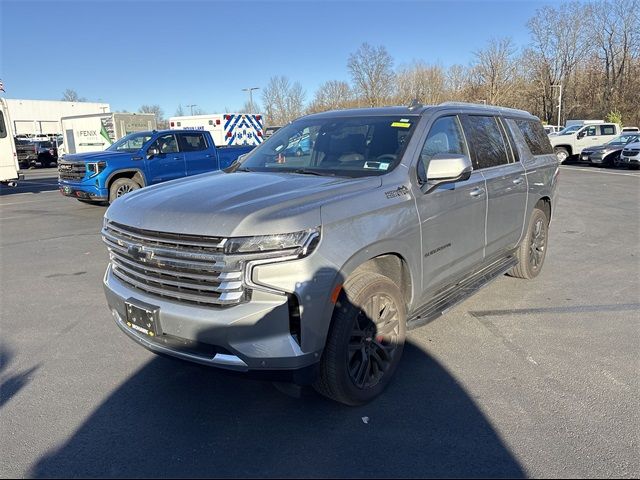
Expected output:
(533, 249)
(365, 340)
(121, 187)
(562, 154)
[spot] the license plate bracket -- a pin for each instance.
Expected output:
(143, 317)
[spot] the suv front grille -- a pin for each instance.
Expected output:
(185, 268)
(631, 152)
(71, 171)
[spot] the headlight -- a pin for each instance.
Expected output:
(95, 168)
(298, 244)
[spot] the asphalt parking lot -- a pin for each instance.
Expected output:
(526, 379)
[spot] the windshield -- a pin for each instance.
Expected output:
(570, 130)
(131, 143)
(340, 146)
(624, 139)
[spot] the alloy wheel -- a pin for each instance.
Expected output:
(373, 341)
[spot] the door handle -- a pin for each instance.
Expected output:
(518, 181)
(476, 192)
(176, 158)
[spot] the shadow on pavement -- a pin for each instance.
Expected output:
(174, 419)
(12, 385)
(32, 185)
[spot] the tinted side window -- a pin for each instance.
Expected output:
(607, 130)
(533, 133)
(192, 142)
(166, 144)
(445, 136)
(485, 141)
(3, 127)
(592, 131)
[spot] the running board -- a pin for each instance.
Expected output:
(451, 296)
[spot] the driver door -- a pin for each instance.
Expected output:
(452, 216)
(169, 164)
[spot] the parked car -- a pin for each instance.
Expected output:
(630, 156)
(314, 273)
(140, 159)
(552, 129)
(570, 142)
(299, 146)
(268, 131)
(609, 153)
(36, 154)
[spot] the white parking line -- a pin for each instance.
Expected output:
(578, 169)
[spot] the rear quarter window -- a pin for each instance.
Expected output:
(535, 136)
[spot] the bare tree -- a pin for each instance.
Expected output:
(71, 95)
(371, 70)
(248, 107)
(420, 81)
(179, 111)
(283, 101)
(615, 28)
(332, 95)
(494, 71)
(156, 110)
(457, 82)
(559, 43)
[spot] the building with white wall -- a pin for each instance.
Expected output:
(43, 116)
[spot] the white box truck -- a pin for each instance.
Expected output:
(8, 156)
(96, 132)
(225, 128)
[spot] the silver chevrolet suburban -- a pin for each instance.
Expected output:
(309, 268)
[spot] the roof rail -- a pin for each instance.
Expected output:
(469, 104)
(415, 104)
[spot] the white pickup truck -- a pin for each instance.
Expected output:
(574, 138)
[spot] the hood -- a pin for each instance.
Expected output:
(235, 204)
(105, 155)
(605, 148)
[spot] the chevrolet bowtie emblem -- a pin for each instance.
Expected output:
(138, 252)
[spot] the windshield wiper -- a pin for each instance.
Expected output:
(243, 169)
(304, 171)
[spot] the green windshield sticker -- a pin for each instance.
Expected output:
(401, 124)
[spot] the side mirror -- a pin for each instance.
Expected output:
(446, 168)
(582, 134)
(152, 152)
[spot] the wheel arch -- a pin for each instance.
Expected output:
(134, 174)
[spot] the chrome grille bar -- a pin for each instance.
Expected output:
(184, 268)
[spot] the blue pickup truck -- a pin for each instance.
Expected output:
(141, 159)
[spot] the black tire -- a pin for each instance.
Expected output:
(120, 187)
(533, 249)
(562, 154)
(358, 360)
(616, 161)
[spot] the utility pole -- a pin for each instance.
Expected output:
(559, 103)
(191, 107)
(250, 90)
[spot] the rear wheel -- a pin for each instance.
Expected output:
(365, 341)
(121, 187)
(533, 249)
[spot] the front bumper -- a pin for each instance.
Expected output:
(252, 338)
(85, 192)
(630, 160)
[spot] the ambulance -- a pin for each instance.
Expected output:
(226, 128)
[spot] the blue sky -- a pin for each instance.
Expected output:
(171, 52)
